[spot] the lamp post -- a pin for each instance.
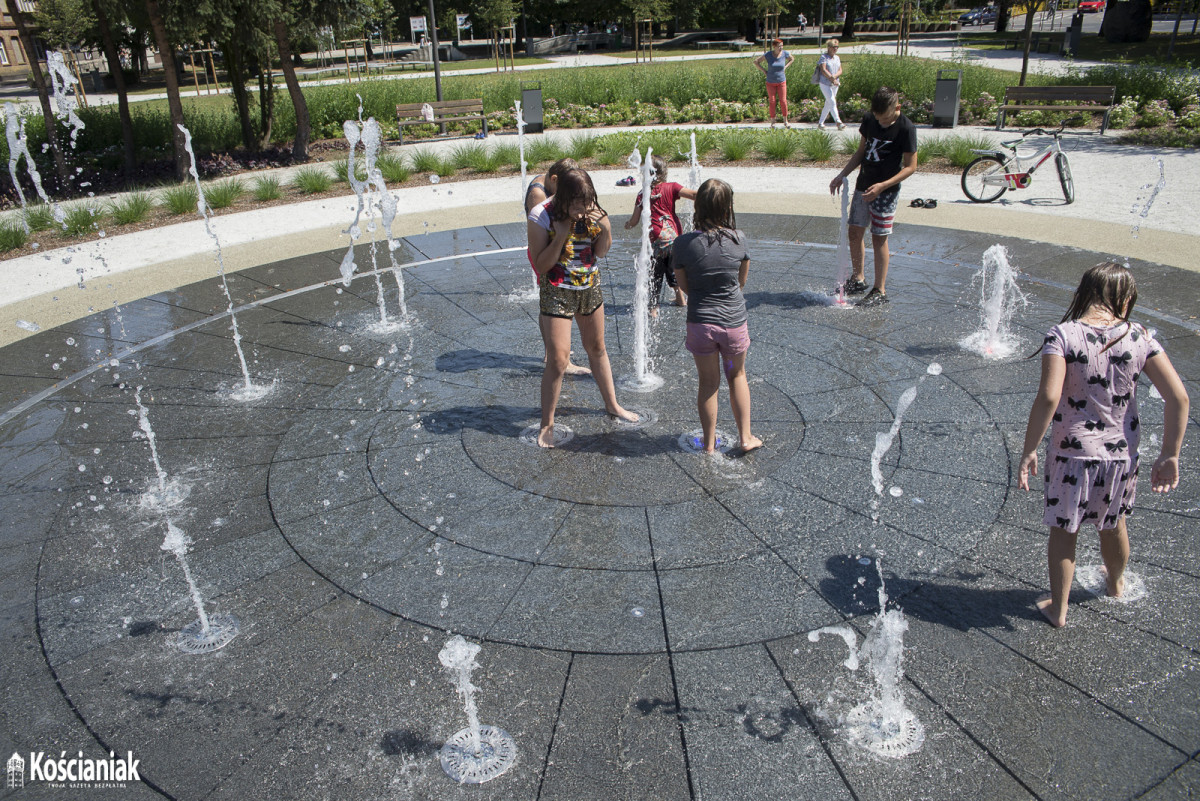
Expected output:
(820, 24)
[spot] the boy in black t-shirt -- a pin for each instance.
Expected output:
(887, 155)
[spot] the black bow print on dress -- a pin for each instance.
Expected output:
(1073, 357)
(1077, 404)
(1099, 379)
(1121, 400)
(1124, 358)
(1094, 425)
(1113, 447)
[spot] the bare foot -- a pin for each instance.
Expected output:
(752, 443)
(680, 298)
(1043, 605)
(546, 436)
(624, 414)
(577, 369)
(653, 312)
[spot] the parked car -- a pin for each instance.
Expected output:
(984, 15)
(1091, 6)
(879, 14)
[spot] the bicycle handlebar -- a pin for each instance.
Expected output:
(1044, 132)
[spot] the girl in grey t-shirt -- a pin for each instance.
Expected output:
(711, 265)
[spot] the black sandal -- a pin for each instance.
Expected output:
(917, 204)
(931, 204)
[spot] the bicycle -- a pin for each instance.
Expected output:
(995, 172)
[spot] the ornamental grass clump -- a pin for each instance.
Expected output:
(779, 145)
(224, 194)
(736, 145)
(181, 199)
(582, 146)
(543, 150)
(312, 180)
(266, 188)
(82, 218)
(817, 145)
(392, 168)
(12, 236)
(39, 217)
(131, 209)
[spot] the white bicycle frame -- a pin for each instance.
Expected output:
(1022, 176)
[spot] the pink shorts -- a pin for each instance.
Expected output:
(704, 339)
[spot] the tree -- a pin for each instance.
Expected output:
(39, 81)
(299, 104)
(1031, 9)
(1127, 21)
(166, 52)
(64, 24)
(113, 56)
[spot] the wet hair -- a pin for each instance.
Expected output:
(885, 100)
(1111, 287)
(559, 167)
(660, 169)
(714, 210)
(573, 185)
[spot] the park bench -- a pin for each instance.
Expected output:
(443, 111)
(1050, 42)
(1094, 99)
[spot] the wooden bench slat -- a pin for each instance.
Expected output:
(443, 111)
(1036, 98)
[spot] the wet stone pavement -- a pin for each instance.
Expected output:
(643, 611)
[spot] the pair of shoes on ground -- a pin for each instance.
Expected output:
(627, 181)
(918, 203)
(841, 126)
(481, 135)
(873, 298)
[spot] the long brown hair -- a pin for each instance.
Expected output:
(1109, 286)
(714, 210)
(660, 170)
(558, 168)
(573, 185)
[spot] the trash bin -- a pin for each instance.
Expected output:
(531, 107)
(946, 96)
(97, 79)
(1074, 34)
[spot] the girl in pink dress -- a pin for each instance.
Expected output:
(1091, 362)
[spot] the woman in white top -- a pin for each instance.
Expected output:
(829, 77)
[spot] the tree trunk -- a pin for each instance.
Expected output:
(303, 125)
(167, 54)
(1003, 15)
(39, 81)
(1127, 21)
(1030, 9)
(235, 67)
(266, 104)
(114, 69)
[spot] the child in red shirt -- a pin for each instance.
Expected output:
(664, 227)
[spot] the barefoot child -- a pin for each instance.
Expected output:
(540, 188)
(1088, 394)
(711, 264)
(664, 228)
(567, 234)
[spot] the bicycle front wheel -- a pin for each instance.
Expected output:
(982, 179)
(1064, 177)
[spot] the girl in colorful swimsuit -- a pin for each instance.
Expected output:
(1088, 398)
(664, 228)
(540, 188)
(567, 234)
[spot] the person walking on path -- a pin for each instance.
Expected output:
(711, 265)
(887, 155)
(1091, 362)
(777, 61)
(829, 78)
(568, 233)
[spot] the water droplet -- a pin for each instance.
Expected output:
(895, 492)
(107, 479)
(55, 366)
(934, 369)
(344, 349)
(637, 611)
(864, 560)
(77, 600)
(433, 179)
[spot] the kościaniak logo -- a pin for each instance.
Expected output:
(77, 772)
